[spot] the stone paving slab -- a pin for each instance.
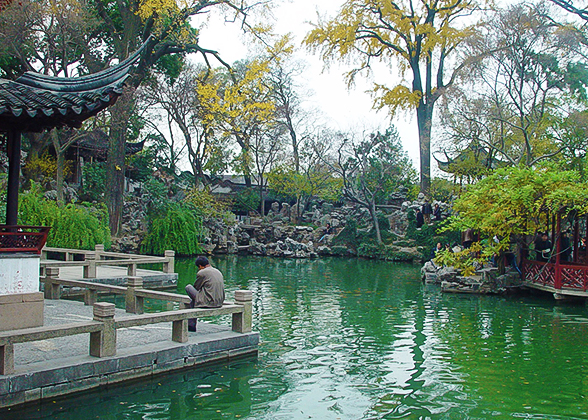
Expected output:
(60, 366)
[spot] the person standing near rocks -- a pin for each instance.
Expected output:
(208, 291)
(419, 218)
(328, 231)
(437, 212)
(427, 211)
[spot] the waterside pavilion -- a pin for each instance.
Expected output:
(34, 103)
(565, 279)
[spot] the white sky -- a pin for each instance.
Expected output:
(343, 109)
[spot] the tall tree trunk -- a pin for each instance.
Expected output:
(115, 165)
(244, 143)
(294, 139)
(261, 196)
(60, 155)
(372, 209)
(37, 145)
(424, 122)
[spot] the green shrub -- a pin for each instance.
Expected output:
(45, 166)
(93, 182)
(444, 190)
(72, 226)
(348, 235)
(429, 235)
(247, 200)
(340, 251)
(208, 205)
(394, 253)
(383, 221)
(178, 227)
(368, 250)
(405, 243)
(157, 192)
(140, 165)
(388, 252)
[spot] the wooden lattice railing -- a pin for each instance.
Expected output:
(558, 276)
(23, 238)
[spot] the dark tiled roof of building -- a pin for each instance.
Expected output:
(95, 144)
(35, 102)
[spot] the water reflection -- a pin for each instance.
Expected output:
(354, 339)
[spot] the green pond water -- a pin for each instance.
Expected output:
(357, 339)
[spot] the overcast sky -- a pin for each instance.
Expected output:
(342, 108)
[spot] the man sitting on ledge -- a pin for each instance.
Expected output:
(208, 290)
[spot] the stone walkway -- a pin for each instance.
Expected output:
(61, 366)
(67, 311)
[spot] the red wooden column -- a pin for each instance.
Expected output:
(586, 249)
(576, 239)
(557, 280)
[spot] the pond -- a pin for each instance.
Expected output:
(359, 339)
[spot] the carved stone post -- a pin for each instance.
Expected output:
(180, 331)
(90, 297)
(103, 343)
(242, 320)
(169, 265)
(7, 359)
(90, 269)
(52, 290)
(134, 303)
(98, 251)
(132, 270)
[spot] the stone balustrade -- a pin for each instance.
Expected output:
(102, 328)
(100, 257)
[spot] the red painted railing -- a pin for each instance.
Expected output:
(566, 275)
(23, 238)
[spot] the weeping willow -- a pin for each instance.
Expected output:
(178, 227)
(72, 226)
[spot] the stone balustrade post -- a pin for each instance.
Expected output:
(134, 303)
(132, 270)
(103, 343)
(90, 269)
(169, 264)
(90, 297)
(242, 321)
(180, 331)
(52, 289)
(98, 251)
(7, 359)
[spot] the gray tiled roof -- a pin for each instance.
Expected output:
(35, 102)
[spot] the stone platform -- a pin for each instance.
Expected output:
(60, 366)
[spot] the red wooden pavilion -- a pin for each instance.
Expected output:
(563, 278)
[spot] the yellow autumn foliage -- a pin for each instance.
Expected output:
(380, 30)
